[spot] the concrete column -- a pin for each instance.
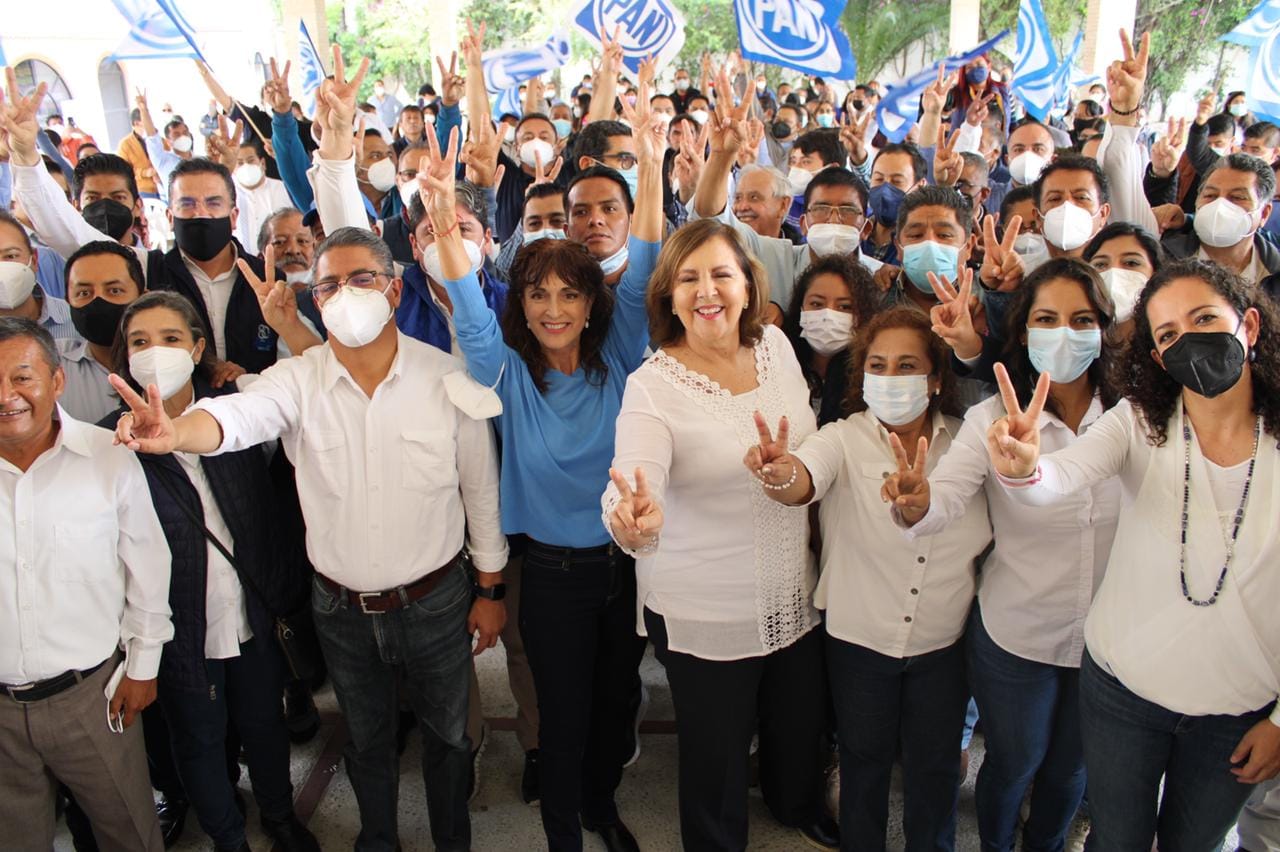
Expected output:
(444, 35)
(1102, 33)
(312, 14)
(964, 25)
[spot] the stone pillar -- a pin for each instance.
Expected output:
(312, 14)
(964, 25)
(1102, 33)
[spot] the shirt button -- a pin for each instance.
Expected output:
(920, 559)
(915, 591)
(907, 619)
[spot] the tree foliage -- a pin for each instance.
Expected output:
(881, 30)
(1185, 40)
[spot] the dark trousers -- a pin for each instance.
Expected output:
(577, 620)
(248, 690)
(719, 706)
(883, 704)
(1031, 722)
(427, 646)
(1130, 744)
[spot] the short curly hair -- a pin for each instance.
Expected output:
(939, 357)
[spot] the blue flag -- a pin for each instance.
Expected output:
(1035, 68)
(506, 68)
(1263, 90)
(900, 106)
(1063, 76)
(312, 67)
(644, 27)
(157, 30)
(1254, 30)
(800, 34)
(508, 103)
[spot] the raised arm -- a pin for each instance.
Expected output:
(604, 89)
(292, 159)
(338, 195)
(279, 305)
(451, 88)
(726, 137)
(218, 93)
(1126, 80)
(478, 107)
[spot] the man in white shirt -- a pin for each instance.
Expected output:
(258, 196)
(392, 477)
(84, 571)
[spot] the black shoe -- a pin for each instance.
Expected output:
(529, 781)
(172, 813)
(290, 835)
(616, 836)
(300, 714)
(821, 833)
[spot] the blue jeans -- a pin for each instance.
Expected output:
(886, 703)
(250, 690)
(426, 646)
(1130, 744)
(1031, 720)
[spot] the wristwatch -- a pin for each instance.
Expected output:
(496, 592)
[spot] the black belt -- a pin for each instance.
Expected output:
(49, 687)
(372, 603)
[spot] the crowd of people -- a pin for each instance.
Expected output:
(874, 442)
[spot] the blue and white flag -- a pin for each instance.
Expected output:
(645, 27)
(1062, 78)
(157, 30)
(1255, 29)
(506, 68)
(1035, 68)
(1263, 91)
(800, 34)
(900, 106)
(508, 103)
(311, 66)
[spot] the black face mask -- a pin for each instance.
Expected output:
(781, 130)
(202, 238)
(110, 217)
(1207, 362)
(97, 321)
(857, 104)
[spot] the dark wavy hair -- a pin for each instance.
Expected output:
(1113, 230)
(939, 357)
(536, 262)
(1151, 390)
(181, 306)
(862, 289)
(1014, 355)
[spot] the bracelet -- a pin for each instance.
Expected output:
(1123, 112)
(457, 223)
(795, 472)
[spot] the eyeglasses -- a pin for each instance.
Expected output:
(965, 187)
(362, 279)
(216, 208)
(625, 161)
(824, 213)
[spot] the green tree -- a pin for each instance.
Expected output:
(880, 30)
(1185, 41)
(392, 34)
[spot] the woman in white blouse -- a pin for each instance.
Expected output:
(1026, 637)
(724, 577)
(1183, 666)
(895, 610)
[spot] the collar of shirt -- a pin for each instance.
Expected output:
(939, 425)
(331, 369)
(76, 350)
(52, 309)
(1091, 414)
(199, 274)
(1253, 270)
(71, 437)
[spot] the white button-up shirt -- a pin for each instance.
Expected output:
(84, 566)
(1195, 660)
(216, 293)
(1048, 561)
(388, 484)
(899, 598)
(88, 395)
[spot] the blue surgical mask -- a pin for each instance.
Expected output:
(977, 75)
(544, 234)
(1064, 353)
(632, 177)
(615, 261)
(885, 200)
(563, 127)
(826, 119)
(919, 259)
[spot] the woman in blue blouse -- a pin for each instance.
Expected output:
(570, 343)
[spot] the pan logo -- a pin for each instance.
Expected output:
(791, 29)
(647, 25)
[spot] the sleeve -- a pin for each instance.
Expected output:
(447, 119)
(644, 441)
(6, 186)
(959, 474)
(1123, 167)
(143, 551)
(337, 194)
(478, 480)
(970, 139)
(629, 328)
(1160, 190)
(507, 252)
(58, 223)
(291, 159)
(996, 304)
(928, 152)
(1097, 455)
(51, 151)
(983, 367)
(491, 206)
(822, 454)
(1275, 715)
(266, 409)
(479, 334)
(164, 161)
(1198, 152)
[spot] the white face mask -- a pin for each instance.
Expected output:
(473, 399)
(408, 191)
(1221, 151)
(544, 234)
(249, 175)
(509, 134)
(895, 400)
(700, 116)
(831, 238)
(428, 118)
(356, 317)
(1032, 249)
(167, 367)
(382, 175)
(303, 276)
(1222, 224)
(1123, 286)
(537, 149)
(682, 84)
(1026, 167)
(1068, 226)
(17, 281)
(182, 144)
(615, 261)
(826, 330)
(431, 259)
(799, 179)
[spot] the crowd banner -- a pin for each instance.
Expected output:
(1036, 66)
(504, 69)
(1263, 96)
(800, 34)
(157, 30)
(644, 27)
(1255, 29)
(508, 102)
(312, 67)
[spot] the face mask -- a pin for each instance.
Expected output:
(1221, 224)
(1239, 110)
(577, 112)
(1026, 167)
(382, 175)
(632, 177)
(303, 277)
(682, 84)
(799, 179)
(110, 217)
(1064, 353)
(535, 149)
(1220, 150)
(1207, 362)
(431, 259)
(167, 367)
(826, 119)
(17, 281)
(428, 118)
(544, 234)
(1123, 286)
(202, 238)
(248, 175)
(563, 127)
(885, 200)
(97, 321)
(509, 133)
(473, 399)
(355, 316)
(760, 85)
(977, 75)
(408, 191)
(182, 144)
(700, 116)
(830, 238)
(1067, 226)
(1032, 249)
(615, 261)
(919, 259)
(858, 104)
(781, 130)
(826, 330)
(379, 91)
(895, 400)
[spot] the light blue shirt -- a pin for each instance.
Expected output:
(55, 317)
